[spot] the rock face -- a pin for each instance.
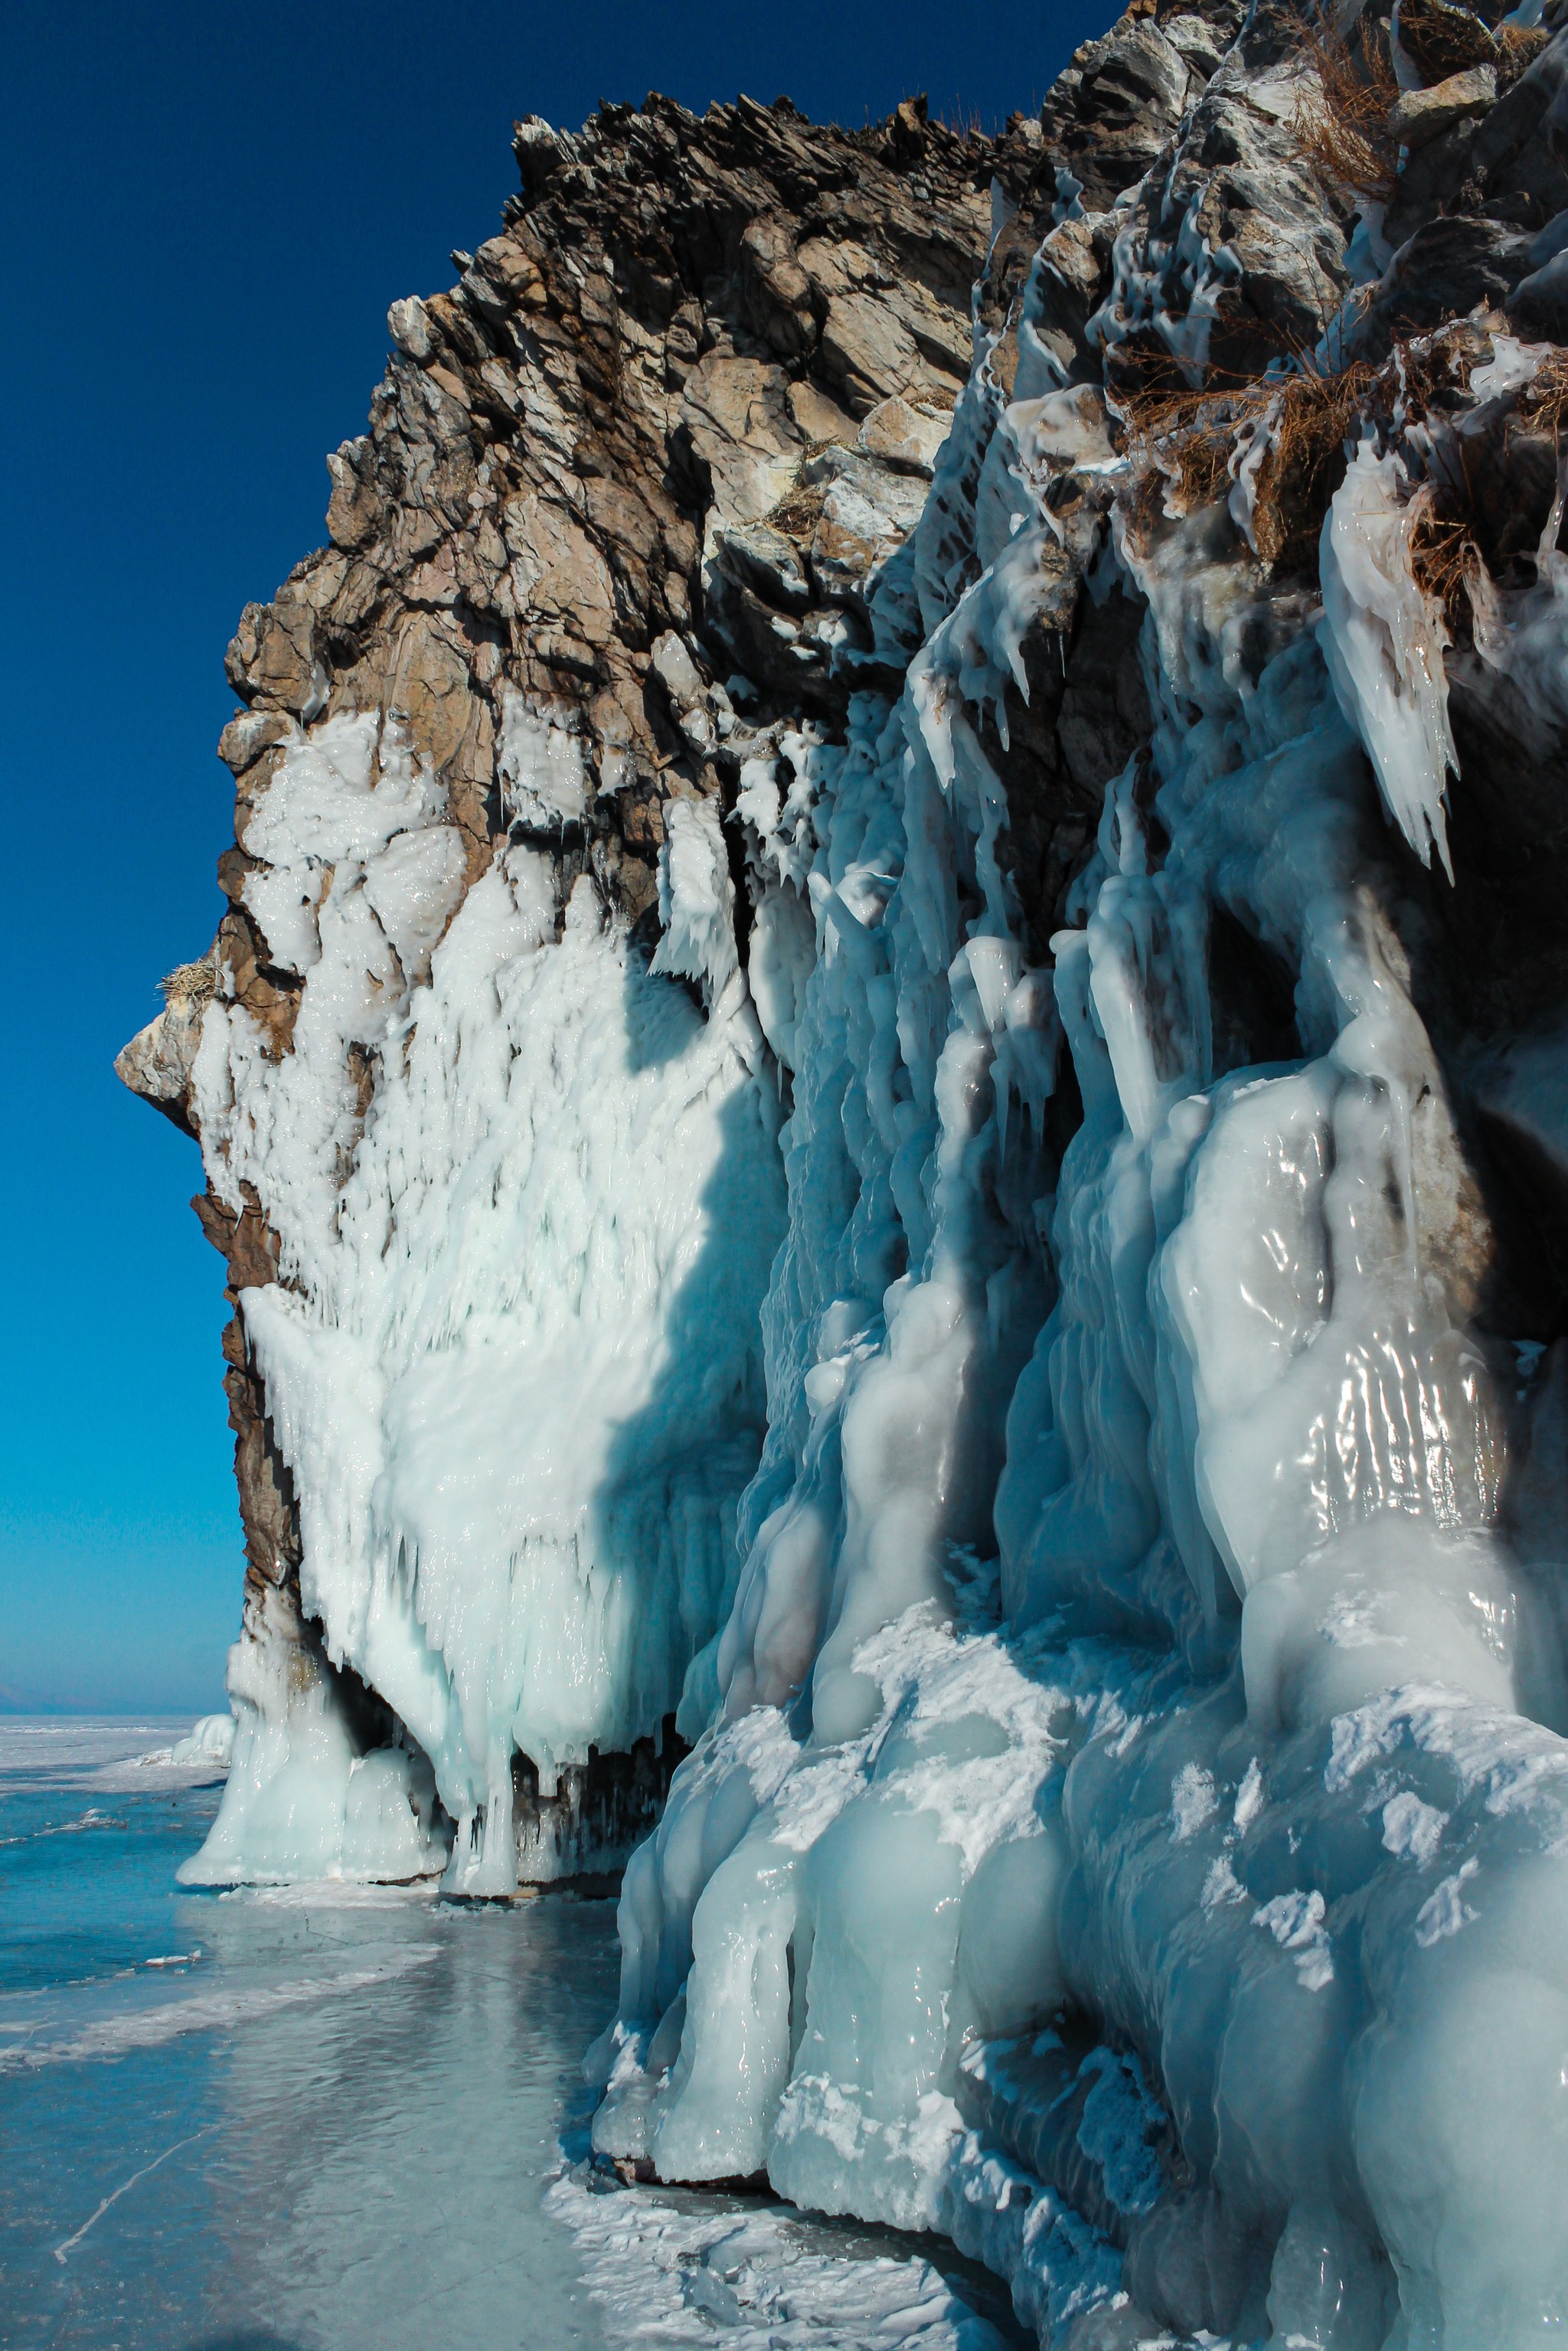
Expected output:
(887, 1097)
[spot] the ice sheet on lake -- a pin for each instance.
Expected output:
(39, 2040)
(113, 1754)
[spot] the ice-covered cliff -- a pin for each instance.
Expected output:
(887, 1092)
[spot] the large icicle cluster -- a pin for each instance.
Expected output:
(1126, 1826)
(515, 1373)
(1218, 1995)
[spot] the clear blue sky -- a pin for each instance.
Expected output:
(205, 212)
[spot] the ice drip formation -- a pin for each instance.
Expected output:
(886, 1089)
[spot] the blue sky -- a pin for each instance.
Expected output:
(205, 212)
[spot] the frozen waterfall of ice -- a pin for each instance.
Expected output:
(1125, 1635)
(517, 1377)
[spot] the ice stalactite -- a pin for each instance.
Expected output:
(1383, 644)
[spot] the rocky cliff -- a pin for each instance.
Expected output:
(885, 1091)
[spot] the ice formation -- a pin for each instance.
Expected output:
(1032, 1343)
(210, 1740)
(517, 1478)
(1248, 1427)
(1247, 1424)
(517, 1376)
(769, 2280)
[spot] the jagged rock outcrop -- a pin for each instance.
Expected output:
(659, 434)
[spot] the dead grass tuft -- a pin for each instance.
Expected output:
(1306, 461)
(1183, 440)
(798, 514)
(1475, 515)
(1341, 122)
(1445, 561)
(188, 983)
(1545, 400)
(1518, 47)
(1187, 442)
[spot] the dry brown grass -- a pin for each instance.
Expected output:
(1188, 440)
(1341, 122)
(1456, 516)
(188, 983)
(1444, 560)
(1183, 440)
(1469, 520)
(798, 514)
(1306, 459)
(1518, 47)
(1544, 402)
(963, 122)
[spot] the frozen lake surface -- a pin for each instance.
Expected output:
(326, 2119)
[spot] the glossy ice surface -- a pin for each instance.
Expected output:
(330, 2117)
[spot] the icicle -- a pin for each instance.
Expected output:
(1384, 640)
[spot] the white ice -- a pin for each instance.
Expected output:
(515, 1373)
(1382, 638)
(544, 779)
(1194, 1704)
(762, 2281)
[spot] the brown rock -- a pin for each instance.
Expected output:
(775, 291)
(1421, 114)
